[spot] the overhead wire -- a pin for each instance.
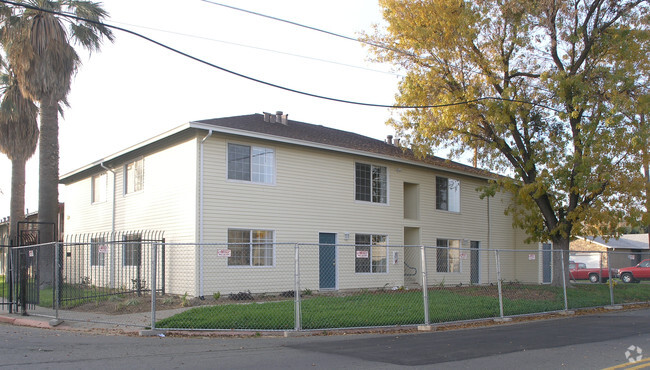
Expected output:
(270, 84)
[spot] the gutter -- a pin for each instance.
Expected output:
(201, 205)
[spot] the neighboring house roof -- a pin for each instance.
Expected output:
(298, 133)
(626, 241)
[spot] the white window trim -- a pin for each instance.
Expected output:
(249, 266)
(92, 188)
(370, 254)
(436, 196)
(125, 175)
(354, 188)
(460, 260)
(251, 146)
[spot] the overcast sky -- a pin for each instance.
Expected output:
(133, 90)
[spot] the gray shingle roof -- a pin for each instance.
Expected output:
(328, 136)
(626, 241)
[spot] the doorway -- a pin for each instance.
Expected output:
(327, 261)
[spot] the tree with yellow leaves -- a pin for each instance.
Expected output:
(553, 93)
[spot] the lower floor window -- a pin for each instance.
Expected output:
(448, 255)
(370, 253)
(250, 247)
(132, 250)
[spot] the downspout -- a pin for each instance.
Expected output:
(112, 264)
(201, 240)
(489, 234)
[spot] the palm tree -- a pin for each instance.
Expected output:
(41, 51)
(18, 139)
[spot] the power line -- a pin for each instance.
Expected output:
(260, 48)
(466, 102)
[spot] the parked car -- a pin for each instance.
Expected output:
(579, 271)
(636, 273)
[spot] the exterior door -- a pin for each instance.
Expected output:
(474, 273)
(546, 262)
(327, 260)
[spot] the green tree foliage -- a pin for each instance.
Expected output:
(555, 97)
(39, 46)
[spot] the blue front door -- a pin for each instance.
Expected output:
(327, 260)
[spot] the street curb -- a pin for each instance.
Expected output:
(24, 322)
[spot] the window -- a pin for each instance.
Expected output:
(134, 176)
(448, 256)
(370, 253)
(371, 183)
(447, 194)
(98, 251)
(250, 163)
(99, 188)
(250, 248)
(132, 250)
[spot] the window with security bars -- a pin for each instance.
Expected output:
(250, 247)
(132, 250)
(448, 255)
(370, 253)
(371, 183)
(251, 163)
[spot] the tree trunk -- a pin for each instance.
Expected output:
(48, 188)
(17, 203)
(560, 258)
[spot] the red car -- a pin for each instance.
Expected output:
(636, 273)
(579, 271)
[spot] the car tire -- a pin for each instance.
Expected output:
(594, 278)
(627, 278)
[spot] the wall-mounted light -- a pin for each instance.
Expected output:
(347, 236)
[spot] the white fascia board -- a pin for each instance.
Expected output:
(127, 150)
(257, 135)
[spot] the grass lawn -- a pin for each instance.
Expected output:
(385, 308)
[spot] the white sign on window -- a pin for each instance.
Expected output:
(224, 253)
(631, 256)
(103, 249)
(362, 254)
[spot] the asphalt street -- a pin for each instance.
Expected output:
(575, 342)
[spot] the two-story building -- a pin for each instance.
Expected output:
(262, 183)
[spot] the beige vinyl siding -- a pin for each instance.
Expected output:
(167, 203)
(314, 192)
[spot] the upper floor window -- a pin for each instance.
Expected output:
(251, 163)
(370, 253)
(250, 247)
(371, 183)
(447, 194)
(134, 176)
(99, 188)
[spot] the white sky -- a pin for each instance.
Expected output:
(133, 90)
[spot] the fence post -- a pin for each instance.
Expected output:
(57, 280)
(296, 280)
(425, 289)
(498, 261)
(566, 303)
(162, 267)
(611, 277)
(154, 267)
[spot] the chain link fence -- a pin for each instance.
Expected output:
(269, 286)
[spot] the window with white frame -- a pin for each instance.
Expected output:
(134, 176)
(447, 194)
(251, 163)
(448, 255)
(132, 250)
(371, 183)
(370, 253)
(99, 184)
(98, 251)
(250, 247)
